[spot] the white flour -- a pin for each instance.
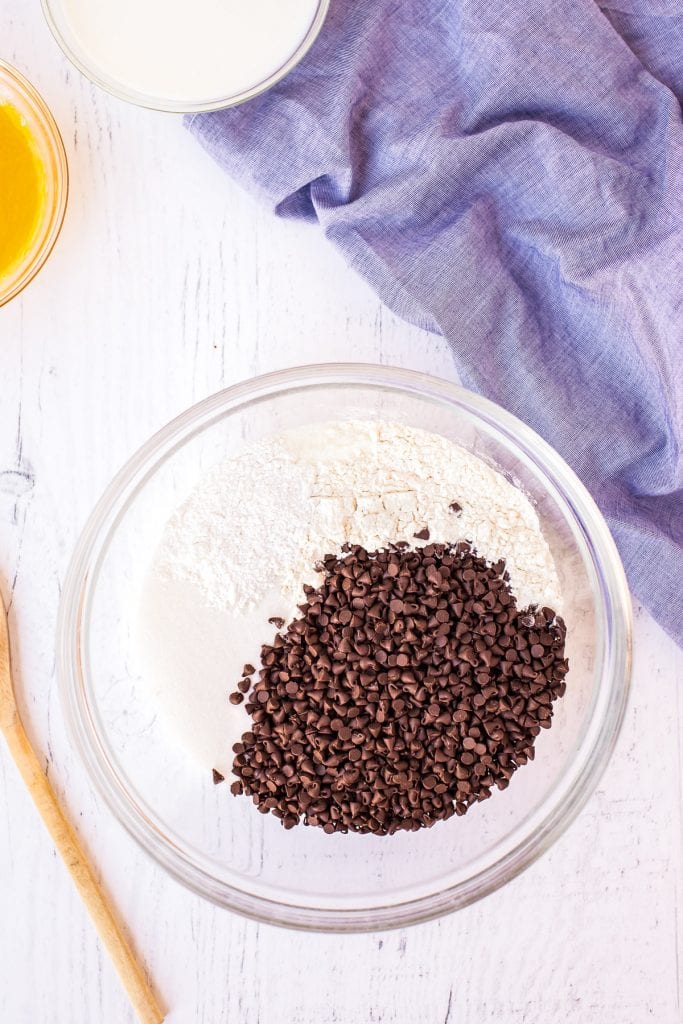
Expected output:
(239, 550)
(265, 517)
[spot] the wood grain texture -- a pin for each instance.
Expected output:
(67, 844)
(167, 284)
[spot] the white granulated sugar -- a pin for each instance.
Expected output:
(259, 522)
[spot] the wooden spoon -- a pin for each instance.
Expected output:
(64, 838)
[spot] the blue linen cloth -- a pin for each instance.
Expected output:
(510, 175)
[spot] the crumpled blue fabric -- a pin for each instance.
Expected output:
(510, 175)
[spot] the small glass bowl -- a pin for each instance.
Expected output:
(220, 846)
(61, 29)
(16, 90)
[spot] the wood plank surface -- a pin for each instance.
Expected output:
(167, 284)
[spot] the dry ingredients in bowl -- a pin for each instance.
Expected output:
(392, 607)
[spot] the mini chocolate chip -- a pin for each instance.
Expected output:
(217, 777)
(408, 688)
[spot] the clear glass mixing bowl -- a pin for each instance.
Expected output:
(221, 847)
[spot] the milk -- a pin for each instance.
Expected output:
(188, 51)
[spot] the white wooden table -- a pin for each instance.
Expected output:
(166, 285)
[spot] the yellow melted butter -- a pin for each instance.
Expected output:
(22, 189)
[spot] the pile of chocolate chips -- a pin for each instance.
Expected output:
(408, 688)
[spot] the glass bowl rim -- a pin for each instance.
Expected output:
(50, 230)
(555, 815)
(162, 104)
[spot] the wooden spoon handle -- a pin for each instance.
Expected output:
(64, 837)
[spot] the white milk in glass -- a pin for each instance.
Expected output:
(189, 51)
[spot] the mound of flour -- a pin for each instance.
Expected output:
(261, 520)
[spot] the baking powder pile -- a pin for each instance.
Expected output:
(260, 521)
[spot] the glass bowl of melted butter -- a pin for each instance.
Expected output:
(33, 182)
